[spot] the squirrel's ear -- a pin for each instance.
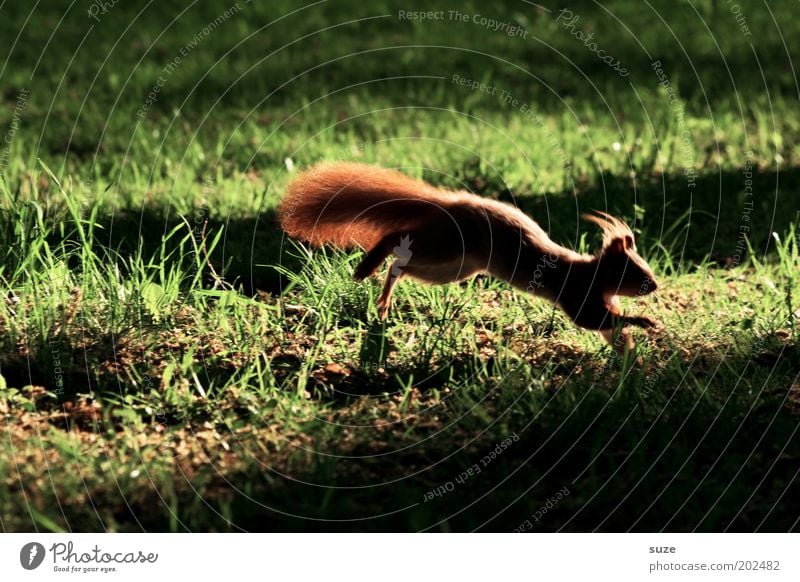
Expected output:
(620, 244)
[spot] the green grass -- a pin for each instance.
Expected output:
(169, 361)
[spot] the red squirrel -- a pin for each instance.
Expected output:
(441, 236)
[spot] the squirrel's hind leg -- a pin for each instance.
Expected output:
(392, 277)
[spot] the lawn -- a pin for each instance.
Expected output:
(170, 361)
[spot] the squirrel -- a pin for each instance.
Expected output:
(441, 236)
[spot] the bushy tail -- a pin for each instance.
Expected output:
(348, 204)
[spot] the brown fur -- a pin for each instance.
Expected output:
(440, 236)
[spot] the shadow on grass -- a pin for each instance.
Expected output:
(705, 455)
(625, 463)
